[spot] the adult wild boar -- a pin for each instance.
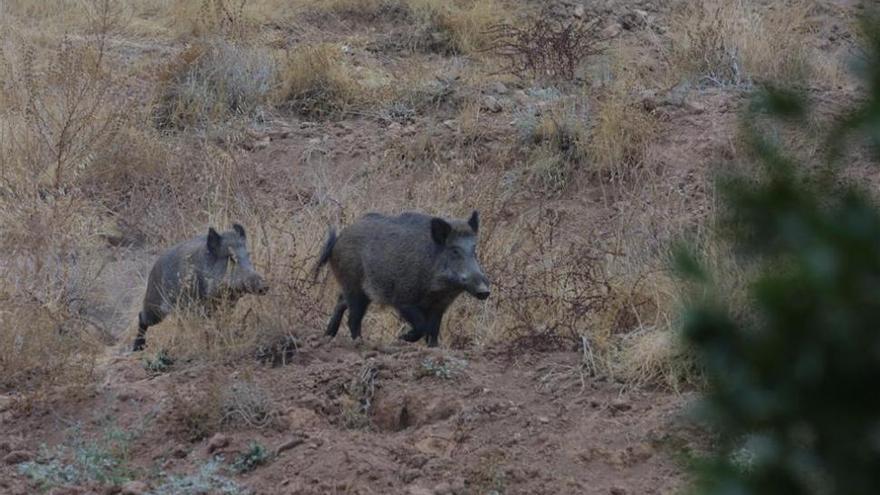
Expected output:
(203, 272)
(414, 262)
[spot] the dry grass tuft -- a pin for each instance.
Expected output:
(621, 128)
(317, 80)
(555, 133)
(212, 81)
(734, 42)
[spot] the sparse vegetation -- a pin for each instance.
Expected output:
(731, 42)
(790, 384)
(255, 456)
(208, 479)
(160, 363)
(446, 367)
(546, 48)
(80, 461)
(586, 135)
(212, 81)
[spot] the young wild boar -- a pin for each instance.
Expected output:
(205, 271)
(416, 263)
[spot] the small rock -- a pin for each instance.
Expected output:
(17, 457)
(410, 475)
(610, 31)
(262, 143)
(499, 88)
(543, 419)
(217, 442)
(694, 107)
(443, 488)
(458, 485)
(618, 491)
(579, 12)
(289, 444)
(5, 402)
(179, 452)
(491, 104)
(621, 404)
(135, 488)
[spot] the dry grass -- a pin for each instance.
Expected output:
(63, 195)
(622, 129)
(317, 80)
(724, 42)
(211, 82)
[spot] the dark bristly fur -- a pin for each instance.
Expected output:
(414, 262)
(206, 271)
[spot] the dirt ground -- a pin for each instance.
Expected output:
(438, 421)
(477, 416)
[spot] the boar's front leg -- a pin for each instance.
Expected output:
(424, 324)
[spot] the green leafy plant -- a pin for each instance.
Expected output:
(445, 367)
(254, 457)
(208, 479)
(792, 377)
(160, 363)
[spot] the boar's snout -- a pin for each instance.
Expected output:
(480, 288)
(257, 285)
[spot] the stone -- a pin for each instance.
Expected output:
(443, 488)
(135, 488)
(499, 88)
(179, 452)
(217, 442)
(621, 404)
(17, 457)
(579, 12)
(491, 104)
(289, 444)
(610, 31)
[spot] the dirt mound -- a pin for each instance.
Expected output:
(349, 419)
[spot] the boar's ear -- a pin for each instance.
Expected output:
(440, 230)
(474, 221)
(239, 229)
(214, 241)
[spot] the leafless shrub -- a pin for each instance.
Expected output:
(212, 80)
(196, 412)
(358, 401)
(549, 289)
(245, 403)
(545, 47)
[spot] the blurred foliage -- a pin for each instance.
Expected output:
(794, 375)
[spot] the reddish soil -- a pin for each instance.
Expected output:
(518, 424)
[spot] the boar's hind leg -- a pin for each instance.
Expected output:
(357, 308)
(336, 319)
(146, 319)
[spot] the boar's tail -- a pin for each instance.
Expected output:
(325, 252)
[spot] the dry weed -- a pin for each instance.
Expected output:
(724, 42)
(622, 129)
(211, 82)
(545, 48)
(317, 80)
